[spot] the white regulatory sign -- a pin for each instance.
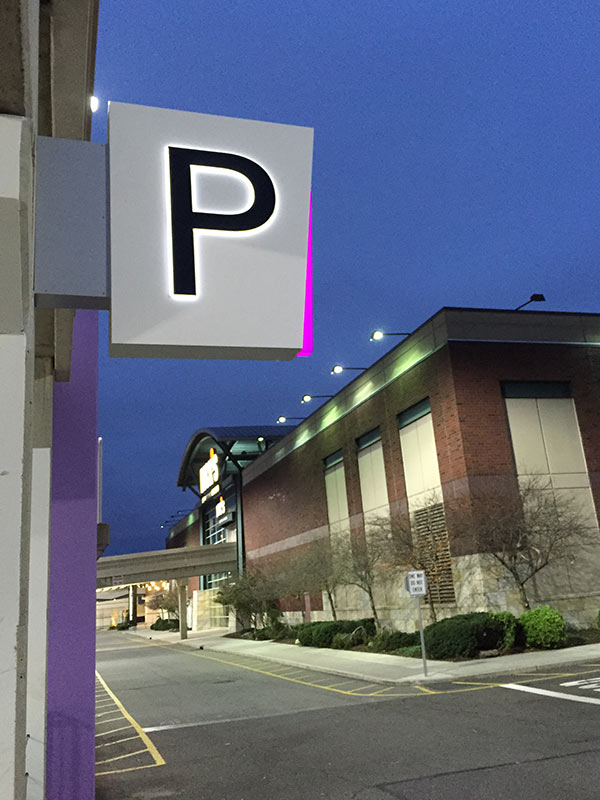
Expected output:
(415, 583)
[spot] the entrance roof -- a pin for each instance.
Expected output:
(240, 445)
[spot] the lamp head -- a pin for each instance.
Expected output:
(337, 369)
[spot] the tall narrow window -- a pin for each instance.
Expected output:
(335, 490)
(371, 470)
(546, 440)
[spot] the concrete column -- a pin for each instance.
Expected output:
(133, 605)
(307, 608)
(16, 402)
(182, 586)
(38, 581)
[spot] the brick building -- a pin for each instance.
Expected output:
(473, 401)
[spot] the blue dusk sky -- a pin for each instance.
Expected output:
(456, 162)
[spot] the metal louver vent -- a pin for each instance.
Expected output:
(434, 551)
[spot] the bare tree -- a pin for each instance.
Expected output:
(253, 595)
(525, 531)
(165, 601)
(419, 543)
(361, 559)
(312, 569)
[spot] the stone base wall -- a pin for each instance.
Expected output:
(480, 584)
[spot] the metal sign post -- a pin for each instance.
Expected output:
(415, 584)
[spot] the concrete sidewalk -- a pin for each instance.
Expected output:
(373, 667)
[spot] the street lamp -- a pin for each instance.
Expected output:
(535, 298)
(282, 419)
(337, 369)
(308, 397)
(378, 334)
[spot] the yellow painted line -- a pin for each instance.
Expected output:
(331, 685)
(114, 730)
(126, 755)
(159, 760)
(116, 741)
(424, 689)
(423, 692)
(127, 769)
(361, 688)
(489, 685)
(381, 691)
(260, 671)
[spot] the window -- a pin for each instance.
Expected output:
(212, 532)
(335, 490)
(371, 471)
(553, 389)
(414, 413)
(334, 459)
(367, 439)
(547, 443)
(419, 456)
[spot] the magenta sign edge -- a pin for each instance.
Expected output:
(307, 338)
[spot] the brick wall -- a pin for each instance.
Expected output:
(471, 431)
(478, 370)
(289, 499)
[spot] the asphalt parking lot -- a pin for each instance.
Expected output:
(206, 725)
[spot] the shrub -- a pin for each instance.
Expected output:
(514, 635)
(409, 652)
(598, 620)
(342, 641)
(161, 624)
(284, 631)
(122, 626)
(385, 640)
(544, 627)
(320, 634)
(324, 632)
(463, 635)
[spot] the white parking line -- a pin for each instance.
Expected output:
(561, 695)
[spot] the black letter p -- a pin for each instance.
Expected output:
(184, 220)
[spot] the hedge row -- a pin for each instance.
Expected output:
(461, 636)
(320, 634)
(161, 624)
(467, 634)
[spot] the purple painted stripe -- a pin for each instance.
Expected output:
(72, 576)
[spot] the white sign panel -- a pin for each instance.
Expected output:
(416, 583)
(209, 222)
